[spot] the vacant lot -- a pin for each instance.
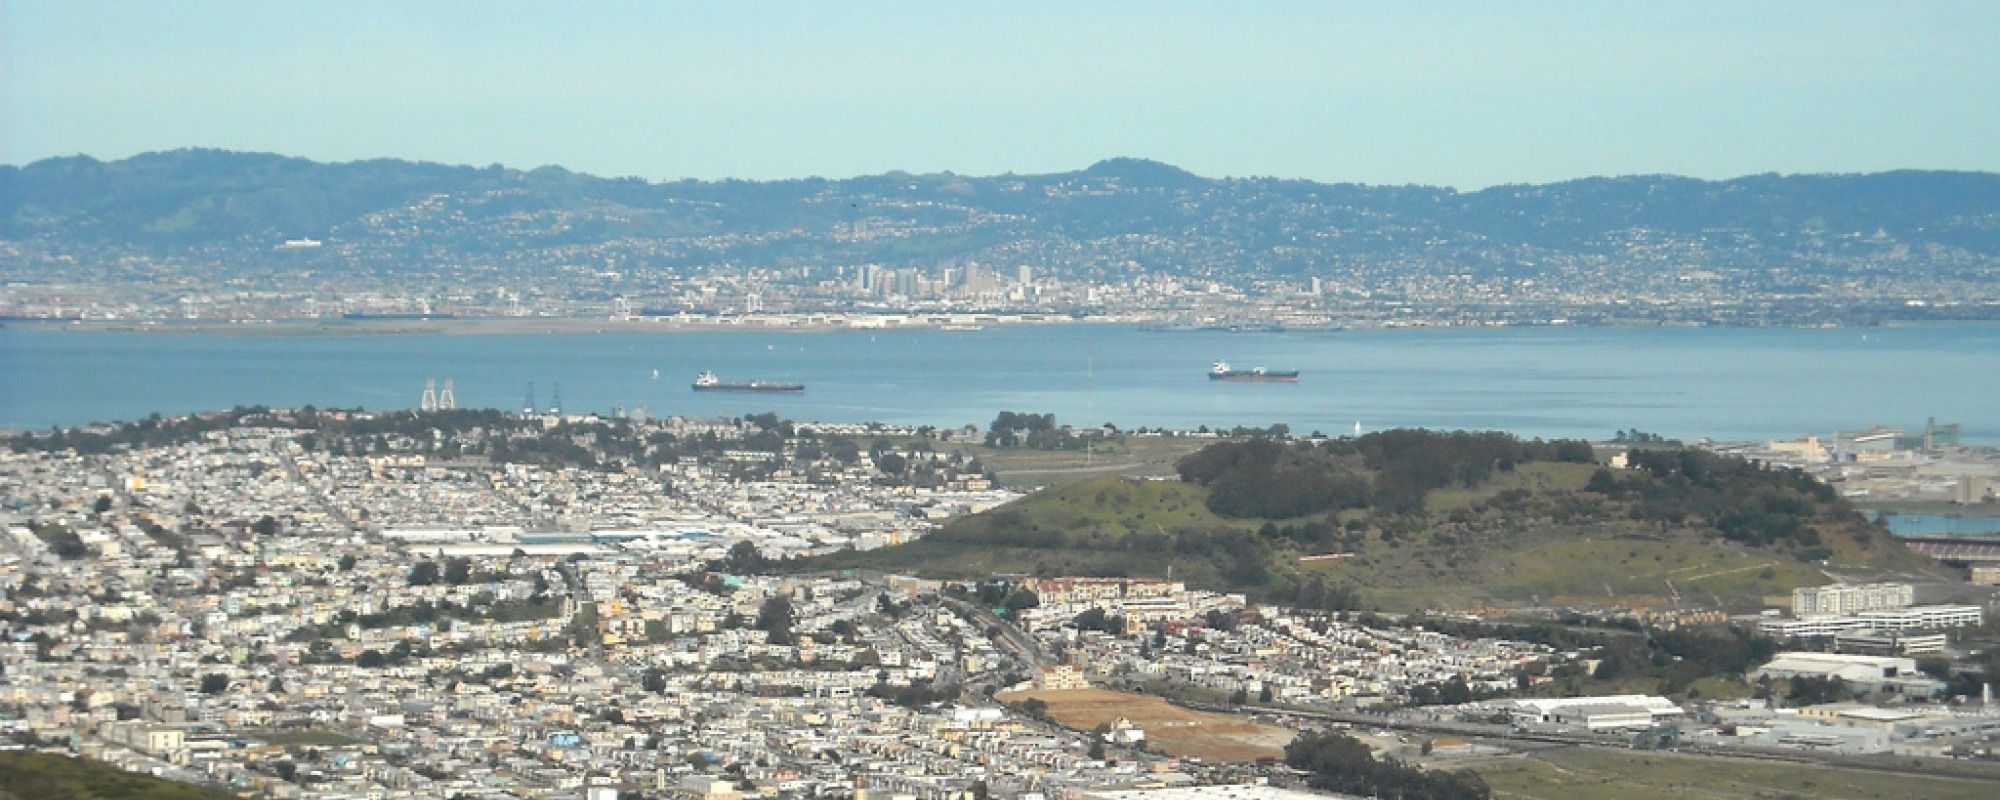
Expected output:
(1169, 728)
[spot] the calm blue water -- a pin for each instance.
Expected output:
(1682, 382)
(1943, 525)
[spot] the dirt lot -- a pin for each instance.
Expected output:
(1175, 730)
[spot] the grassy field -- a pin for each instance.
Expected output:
(1596, 774)
(1169, 728)
(1615, 565)
(1099, 512)
(1134, 456)
(1537, 477)
(1117, 506)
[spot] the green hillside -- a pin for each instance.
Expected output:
(40, 776)
(1104, 527)
(1406, 520)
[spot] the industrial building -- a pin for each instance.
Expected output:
(1866, 674)
(1888, 643)
(1612, 712)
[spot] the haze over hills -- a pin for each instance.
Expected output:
(1592, 246)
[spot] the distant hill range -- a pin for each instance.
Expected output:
(1765, 232)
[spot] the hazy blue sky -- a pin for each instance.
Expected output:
(1460, 94)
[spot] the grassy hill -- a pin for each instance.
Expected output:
(1104, 526)
(1415, 520)
(40, 776)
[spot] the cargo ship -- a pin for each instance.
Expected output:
(707, 382)
(1223, 372)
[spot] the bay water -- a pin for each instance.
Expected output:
(1973, 526)
(1686, 383)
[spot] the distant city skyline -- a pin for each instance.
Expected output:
(1453, 94)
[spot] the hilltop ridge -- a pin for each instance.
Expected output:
(210, 196)
(1123, 234)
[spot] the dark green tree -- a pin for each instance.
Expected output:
(743, 558)
(776, 618)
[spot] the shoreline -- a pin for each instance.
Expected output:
(1930, 508)
(819, 323)
(552, 326)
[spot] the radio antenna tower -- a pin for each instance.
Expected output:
(430, 401)
(528, 408)
(555, 402)
(446, 400)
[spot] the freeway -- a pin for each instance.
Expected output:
(1010, 637)
(1529, 739)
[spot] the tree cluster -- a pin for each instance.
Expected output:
(1808, 690)
(775, 618)
(1451, 692)
(1636, 436)
(743, 558)
(918, 694)
(1004, 598)
(1387, 470)
(456, 571)
(1314, 592)
(1035, 431)
(1341, 763)
(65, 543)
(1411, 462)
(1740, 500)
(1097, 619)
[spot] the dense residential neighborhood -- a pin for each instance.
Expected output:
(300, 603)
(1389, 401)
